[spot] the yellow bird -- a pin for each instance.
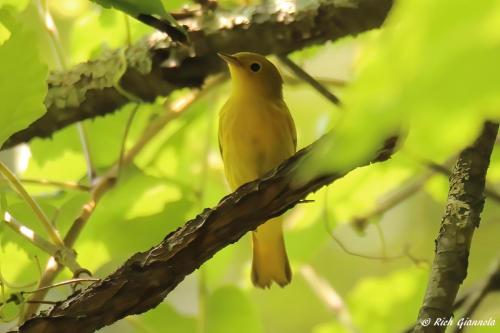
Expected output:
(256, 134)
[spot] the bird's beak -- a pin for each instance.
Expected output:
(229, 59)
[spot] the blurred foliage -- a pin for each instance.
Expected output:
(430, 73)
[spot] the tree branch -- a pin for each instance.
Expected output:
(155, 67)
(461, 218)
(147, 277)
(472, 300)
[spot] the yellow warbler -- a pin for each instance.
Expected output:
(256, 134)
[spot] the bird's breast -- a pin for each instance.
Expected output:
(255, 136)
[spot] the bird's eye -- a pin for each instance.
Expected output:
(255, 67)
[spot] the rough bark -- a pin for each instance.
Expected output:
(461, 218)
(147, 277)
(156, 67)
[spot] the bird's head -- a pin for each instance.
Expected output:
(253, 73)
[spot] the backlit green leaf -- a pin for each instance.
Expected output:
(22, 82)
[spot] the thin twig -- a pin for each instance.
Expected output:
(51, 28)
(326, 220)
(326, 81)
(404, 254)
(84, 141)
(55, 183)
(365, 256)
(41, 302)
(125, 136)
(383, 245)
(30, 235)
(18, 187)
(309, 79)
(62, 283)
(405, 191)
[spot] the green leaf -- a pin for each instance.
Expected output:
(137, 8)
(229, 307)
(22, 81)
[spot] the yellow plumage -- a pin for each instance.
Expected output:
(256, 134)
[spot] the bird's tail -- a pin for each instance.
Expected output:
(270, 262)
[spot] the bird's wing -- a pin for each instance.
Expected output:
(291, 126)
(221, 127)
